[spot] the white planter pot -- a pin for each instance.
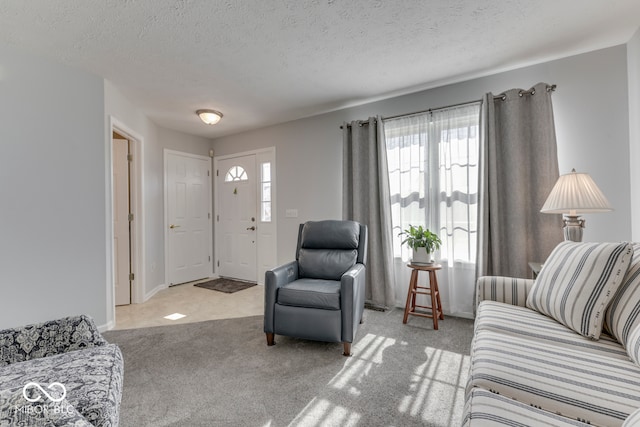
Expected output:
(421, 256)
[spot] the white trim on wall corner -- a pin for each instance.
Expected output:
(138, 241)
(152, 292)
(107, 327)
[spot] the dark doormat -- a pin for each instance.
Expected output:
(227, 286)
(375, 307)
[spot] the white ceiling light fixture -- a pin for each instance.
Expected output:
(210, 117)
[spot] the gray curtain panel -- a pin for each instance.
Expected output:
(518, 168)
(365, 198)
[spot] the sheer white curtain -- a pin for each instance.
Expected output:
(433, 179)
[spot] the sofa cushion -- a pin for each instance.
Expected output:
(577, 282)
(520, 354)
(484, 408)
(623, 314)
(520, 321)
(312, 293)
(511, 319)
(92, 378)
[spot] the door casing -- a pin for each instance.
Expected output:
(137, 225)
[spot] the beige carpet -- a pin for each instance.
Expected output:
(221, 373)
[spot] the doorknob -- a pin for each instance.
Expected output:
(173, 226)
(252, 228)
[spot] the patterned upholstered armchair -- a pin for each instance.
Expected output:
(320, 295)
(69, 359)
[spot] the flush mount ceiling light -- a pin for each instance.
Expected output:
(210, 117)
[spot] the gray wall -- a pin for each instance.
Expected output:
(52, 191)
(54, 167)
(155, 140)
(633, 58)
(178, 141)
(308, 171)
(592, 125)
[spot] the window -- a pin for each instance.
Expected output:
(236, 173)
(265, 192)
(433, 178)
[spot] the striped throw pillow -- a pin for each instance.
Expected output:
(577, 282)
(623, 314)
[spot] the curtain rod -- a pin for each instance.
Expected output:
(432, 109)
(366, 122)
(502, 96)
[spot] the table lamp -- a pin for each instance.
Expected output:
(572, 194)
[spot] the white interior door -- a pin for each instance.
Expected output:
(188, 206)
(121, 230)
(237, 223)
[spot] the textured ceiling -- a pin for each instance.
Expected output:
(264, 61)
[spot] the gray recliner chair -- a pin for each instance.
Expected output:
(320, 295)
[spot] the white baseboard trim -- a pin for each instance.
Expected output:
(109, 326)
(152, 292)
(463, 315)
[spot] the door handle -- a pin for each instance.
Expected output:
(173, 226)
(252, 228)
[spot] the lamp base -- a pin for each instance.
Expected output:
(573, 227)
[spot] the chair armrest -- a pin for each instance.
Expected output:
(508, 290)
(48, 338)
(273, 279)
(633, 419)
(352, 300)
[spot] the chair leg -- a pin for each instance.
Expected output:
(270, 340)
(347, 349)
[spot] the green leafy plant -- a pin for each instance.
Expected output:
(420, 237)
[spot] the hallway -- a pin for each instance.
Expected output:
(193, 303)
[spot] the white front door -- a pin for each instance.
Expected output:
(188, 218)
(237, 222)
(121, 234)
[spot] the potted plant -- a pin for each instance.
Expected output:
(422, 241)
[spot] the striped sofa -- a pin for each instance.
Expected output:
(529, 369)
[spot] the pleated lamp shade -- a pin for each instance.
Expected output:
(575, 193)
